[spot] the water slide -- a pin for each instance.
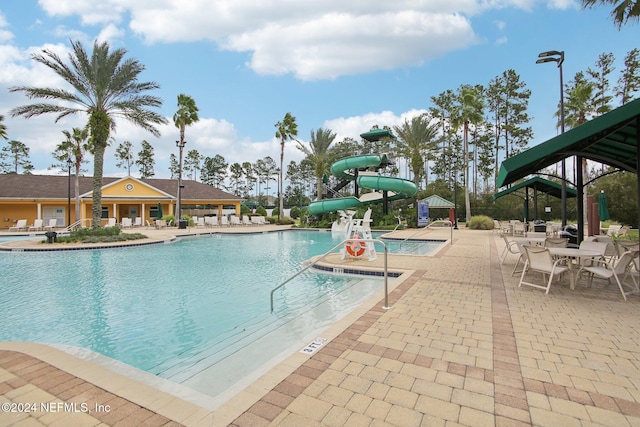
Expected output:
(396, 188)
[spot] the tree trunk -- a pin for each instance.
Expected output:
(280, 199)
(96, 200)
(77, 192)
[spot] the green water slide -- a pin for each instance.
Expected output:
(398, 187)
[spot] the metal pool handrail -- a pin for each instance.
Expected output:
(427, 226)
(311, 264)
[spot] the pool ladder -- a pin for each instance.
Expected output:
(329, 252)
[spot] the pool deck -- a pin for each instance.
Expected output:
(462, 345)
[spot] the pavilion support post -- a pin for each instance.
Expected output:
(580, 201)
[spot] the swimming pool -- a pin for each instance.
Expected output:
(177, 310)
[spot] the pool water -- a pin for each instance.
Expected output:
(175, 310)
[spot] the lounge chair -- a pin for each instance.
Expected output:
(38, 225)
(211, 221)
(53, 223)
(111, 222)
(20, 224)
(234, 220)
(200, 222)
(224, 221)
(137, 222)
(161, 223)
(127, 223)
(246, 220)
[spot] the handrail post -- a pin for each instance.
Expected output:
(311, 264)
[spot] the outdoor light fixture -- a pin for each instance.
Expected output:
(69, 165)
(558, 57)
(180, 145)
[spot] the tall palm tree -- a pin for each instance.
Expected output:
(3, 129)
(186, 115)
(74, 148)
(469, 110)
(623, 11)
(318, 154)
(105, 87)
(415, 139)
(286, 130)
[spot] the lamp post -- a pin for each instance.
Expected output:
(180, 145)
(69, 165)
(558, 57)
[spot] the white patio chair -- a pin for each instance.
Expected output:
(234, 220)
(200, 222)
(137, 222)
(539, 260)
(604, 269)
(511, 247)
(556, 242)
(37, 225)
(224, 221)
(20, 224)
(53, 223)
(519, 228)
(211, 221)
(246, 220)
(126, 223)
(111, 222)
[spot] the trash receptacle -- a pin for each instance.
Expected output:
(182, 224)
(52, 236)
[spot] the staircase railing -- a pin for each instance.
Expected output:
(329, 252)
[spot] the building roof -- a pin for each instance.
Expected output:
(435, 201)
(16, 186)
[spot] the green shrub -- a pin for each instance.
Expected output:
(480, 222)
(99, 235)
(260, 210)
(295, 212)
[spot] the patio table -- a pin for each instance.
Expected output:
(538, 241)
(573, 254)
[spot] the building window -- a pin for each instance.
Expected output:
(153, 212)
(105, 212)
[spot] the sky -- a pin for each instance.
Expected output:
(341, 65)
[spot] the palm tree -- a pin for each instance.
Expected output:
(186, 115)
(469, 110)
(623, 11)
(3, 129)
(73, 148)
(105, 87)
(318, 154)
(285, 130)
(415, 139)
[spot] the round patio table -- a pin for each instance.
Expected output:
(571, 254)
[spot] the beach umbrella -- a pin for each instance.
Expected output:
(159, 210)
(603, 207)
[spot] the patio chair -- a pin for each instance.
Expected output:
(590, 245)
(556, 242)
(200, 222)
(234, 220)
(519, 228)
(511, 247)
(604, 269)
(224, 221)
(211, 221)
(127, 223)
(37, 225)
(137, 222)
(111, 222)
(20, 224)
(539, 260)
(246, 220)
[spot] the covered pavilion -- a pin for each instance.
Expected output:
(537, 184)
(611, 139)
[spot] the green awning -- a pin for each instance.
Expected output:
(611, 139)
(377, 135)
(436, 201)
(538, 184)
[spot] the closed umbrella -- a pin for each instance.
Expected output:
(159, 210)
(603, 207)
